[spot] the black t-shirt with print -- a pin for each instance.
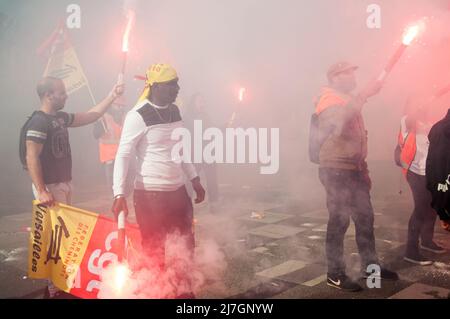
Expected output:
(51, 131)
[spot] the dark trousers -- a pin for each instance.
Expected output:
(423, 218)
(159, 214)
(348, 195)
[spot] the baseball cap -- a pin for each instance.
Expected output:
(339, 67)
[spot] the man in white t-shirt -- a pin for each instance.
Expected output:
(161, 202)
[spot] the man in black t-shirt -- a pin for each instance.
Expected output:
(51, 131)
(48, 155)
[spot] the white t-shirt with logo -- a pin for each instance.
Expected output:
(418, 165)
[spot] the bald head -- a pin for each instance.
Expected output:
(46, 86)
(52, 91)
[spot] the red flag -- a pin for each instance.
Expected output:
(45, 48)
(63, 62)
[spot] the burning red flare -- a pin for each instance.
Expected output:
(241, 94)
(410, 35)
(122, 274)
(126, 35)
(412, 32)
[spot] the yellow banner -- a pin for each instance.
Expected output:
(64, 64)
(58, 241)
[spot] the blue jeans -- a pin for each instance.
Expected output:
(423, 217)
(348, 195)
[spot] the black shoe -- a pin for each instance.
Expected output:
(417, 259)
(59, 294)
(385, 274)
(46, 293)
(341, 281)
(433, 247)
(63, 295)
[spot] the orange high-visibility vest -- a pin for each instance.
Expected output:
(408, 148)
(109, 142)
(330, 97)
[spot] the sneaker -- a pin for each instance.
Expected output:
(57, 295)
(341, 281)
(433, 247)
(417, 259)
(385, 274)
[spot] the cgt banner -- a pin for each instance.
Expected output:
(71, 247)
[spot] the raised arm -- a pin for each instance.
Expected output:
(85, 118)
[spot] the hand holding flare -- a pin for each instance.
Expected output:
(121, 270)
(409, 36)
(120, 211)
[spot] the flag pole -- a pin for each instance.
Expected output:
(60, 34)
(102, 119)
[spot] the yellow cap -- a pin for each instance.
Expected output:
(157, 73)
